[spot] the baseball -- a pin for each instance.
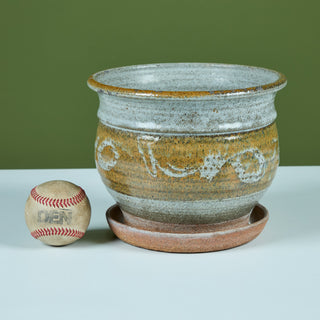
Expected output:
(57, 212)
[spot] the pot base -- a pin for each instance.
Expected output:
(186, 238)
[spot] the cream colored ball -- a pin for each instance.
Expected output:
(57, 212)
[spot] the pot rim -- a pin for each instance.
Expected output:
(98, 86)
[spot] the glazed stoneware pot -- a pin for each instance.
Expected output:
(184, 148)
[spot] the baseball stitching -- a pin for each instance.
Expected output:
(57, 231)
(58, 203)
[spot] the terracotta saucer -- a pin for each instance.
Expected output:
(186, 238)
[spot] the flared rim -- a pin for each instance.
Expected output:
(109, 89)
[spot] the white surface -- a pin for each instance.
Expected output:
(276, 276)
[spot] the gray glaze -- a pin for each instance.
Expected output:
(217, 113)
(193, 212)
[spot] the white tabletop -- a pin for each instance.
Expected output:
(276, 276)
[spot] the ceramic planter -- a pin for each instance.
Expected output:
(187, 144)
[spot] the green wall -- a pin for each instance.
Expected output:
(49, 48)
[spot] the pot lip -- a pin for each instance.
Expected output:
(145, 93)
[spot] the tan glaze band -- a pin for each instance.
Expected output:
(187, 168)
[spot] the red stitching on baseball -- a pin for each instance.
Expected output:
(59, 231)
(58, 203)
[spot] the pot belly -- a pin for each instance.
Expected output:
(187, 178)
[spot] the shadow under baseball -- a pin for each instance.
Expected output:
(96, 236)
